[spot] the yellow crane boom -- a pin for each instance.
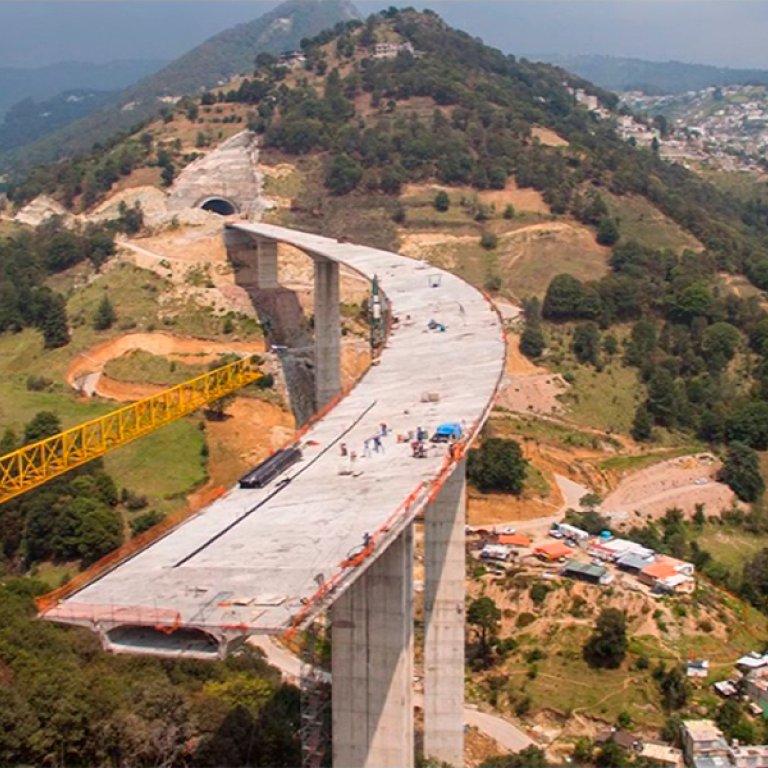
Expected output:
(36, 463)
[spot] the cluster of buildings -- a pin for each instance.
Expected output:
(705, 746)
(725, 127)
(608, 554)
(749, 679)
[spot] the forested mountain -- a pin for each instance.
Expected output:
(46, 82)
(30, 120)
(209, 64)
(653, 77)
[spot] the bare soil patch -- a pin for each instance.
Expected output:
(682, 482)
(548, 137)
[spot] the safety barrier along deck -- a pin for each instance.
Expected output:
(260, 561)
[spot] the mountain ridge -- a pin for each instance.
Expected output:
(618, 73)
(220, 57)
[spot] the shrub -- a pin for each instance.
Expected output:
(489, 241)
(442, 202)
(38, 383)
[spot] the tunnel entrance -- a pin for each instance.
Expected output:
(219, 205)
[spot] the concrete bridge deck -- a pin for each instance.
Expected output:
(252, 561)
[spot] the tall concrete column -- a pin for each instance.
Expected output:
(327, 331)
(372, 664)
(266, 263)
(444, 565)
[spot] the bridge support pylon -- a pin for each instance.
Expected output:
(254, 258)
(444, 594)
(327, 331)
(372, 664)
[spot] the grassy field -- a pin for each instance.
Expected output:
(641, 461)
(163, 466)
(731, 546)
(506, 424)
(527, 269)
(640, 221)
(146, 368)
(604, 399)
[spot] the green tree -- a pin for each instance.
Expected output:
(749, 424)
(611, 755)
(719, 343)
(586, 343)
(532, 341)
(105, 315)
(52, 320)
(642, 425)
(44, 424)
(608, 231)
(741, 472)
(484, 615)
(530, 757)
(342, 174)
(675, 688)
(755, 579)
(497, 465)
(442, 202)
(8, 442)
(607, 646)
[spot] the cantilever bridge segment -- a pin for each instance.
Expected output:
(333, 534)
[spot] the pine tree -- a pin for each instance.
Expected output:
(642, 426)
(53, 321)
(105, 315)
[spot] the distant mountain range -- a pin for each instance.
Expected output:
(652, 77)
(46, 82)
(224, 55)
(29, 120)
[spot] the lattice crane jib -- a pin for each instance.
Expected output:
(36, 463)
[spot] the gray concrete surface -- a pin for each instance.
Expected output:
(327, 332)
(372, 664)
(444, 598)
(227, 172)
(251, 561)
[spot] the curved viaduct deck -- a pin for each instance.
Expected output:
(249, 563)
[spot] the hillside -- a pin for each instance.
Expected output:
(43, 83)
(653, 77)
(29, 120)
(633, 377)
(214, 61)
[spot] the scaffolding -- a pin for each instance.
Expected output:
(39, 462)
(315, 691)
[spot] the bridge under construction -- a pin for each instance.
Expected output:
(334, 532)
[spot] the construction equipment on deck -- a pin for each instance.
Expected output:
(38, 462)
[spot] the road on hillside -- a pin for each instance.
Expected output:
(505, 734)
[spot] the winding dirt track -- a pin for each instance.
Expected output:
(85, 371)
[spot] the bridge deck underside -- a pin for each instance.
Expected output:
(249, 562)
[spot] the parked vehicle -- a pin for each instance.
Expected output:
(270, 468)
(449, 431)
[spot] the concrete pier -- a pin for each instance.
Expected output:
(372, 664)
(327, 331)
(444, 563)
(266, 263)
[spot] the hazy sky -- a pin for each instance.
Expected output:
(724, 32)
